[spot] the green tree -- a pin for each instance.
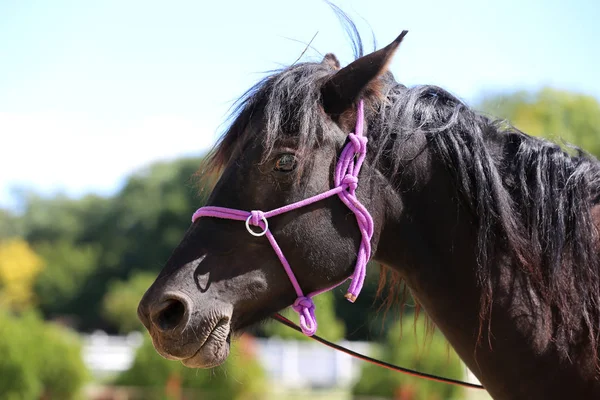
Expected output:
(150, 215)
(38, 359)
(121, 301)
(67, 267)
(331, 327)
(18, 376)
(60, 217)
(554, 114)
(62, 371)
(419, 349)
(10, 225)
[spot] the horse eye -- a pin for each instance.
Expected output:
(285, 163)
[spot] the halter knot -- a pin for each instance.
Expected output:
(359, 143)
(350, 181)
(305, 308)
(256, 217)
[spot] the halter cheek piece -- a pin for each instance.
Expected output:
(346, 182)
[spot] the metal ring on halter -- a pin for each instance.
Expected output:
(264, 219)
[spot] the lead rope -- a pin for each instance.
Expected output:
(280, 318)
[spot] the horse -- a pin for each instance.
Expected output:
(495, 232)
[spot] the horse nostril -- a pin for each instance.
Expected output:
(170, 315)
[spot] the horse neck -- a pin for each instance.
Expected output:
(429, 239)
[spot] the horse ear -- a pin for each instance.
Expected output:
(331, 60)
(342, 90)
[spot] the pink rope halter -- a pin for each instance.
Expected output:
(346, 182)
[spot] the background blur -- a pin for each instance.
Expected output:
(106, 110)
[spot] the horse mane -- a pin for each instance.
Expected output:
(531, 200)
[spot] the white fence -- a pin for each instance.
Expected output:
(107, 355)
(309, 364)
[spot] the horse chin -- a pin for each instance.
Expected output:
(214, 351)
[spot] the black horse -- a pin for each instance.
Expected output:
(494, 232)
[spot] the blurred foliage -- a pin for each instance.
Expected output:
(240, 378)
(329, 325)
(121, 301)
(19, 266)
(68, 266)
(416, 347)
(60, 217)
(39, 360)
(10, 225)
(376, 316)
(558, 115)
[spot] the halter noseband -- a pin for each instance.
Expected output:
(346, 182)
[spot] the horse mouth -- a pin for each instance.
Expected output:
(214, 350)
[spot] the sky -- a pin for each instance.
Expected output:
(91, 92)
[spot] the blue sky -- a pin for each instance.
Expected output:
(91, 91)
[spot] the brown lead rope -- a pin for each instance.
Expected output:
(287, 322)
